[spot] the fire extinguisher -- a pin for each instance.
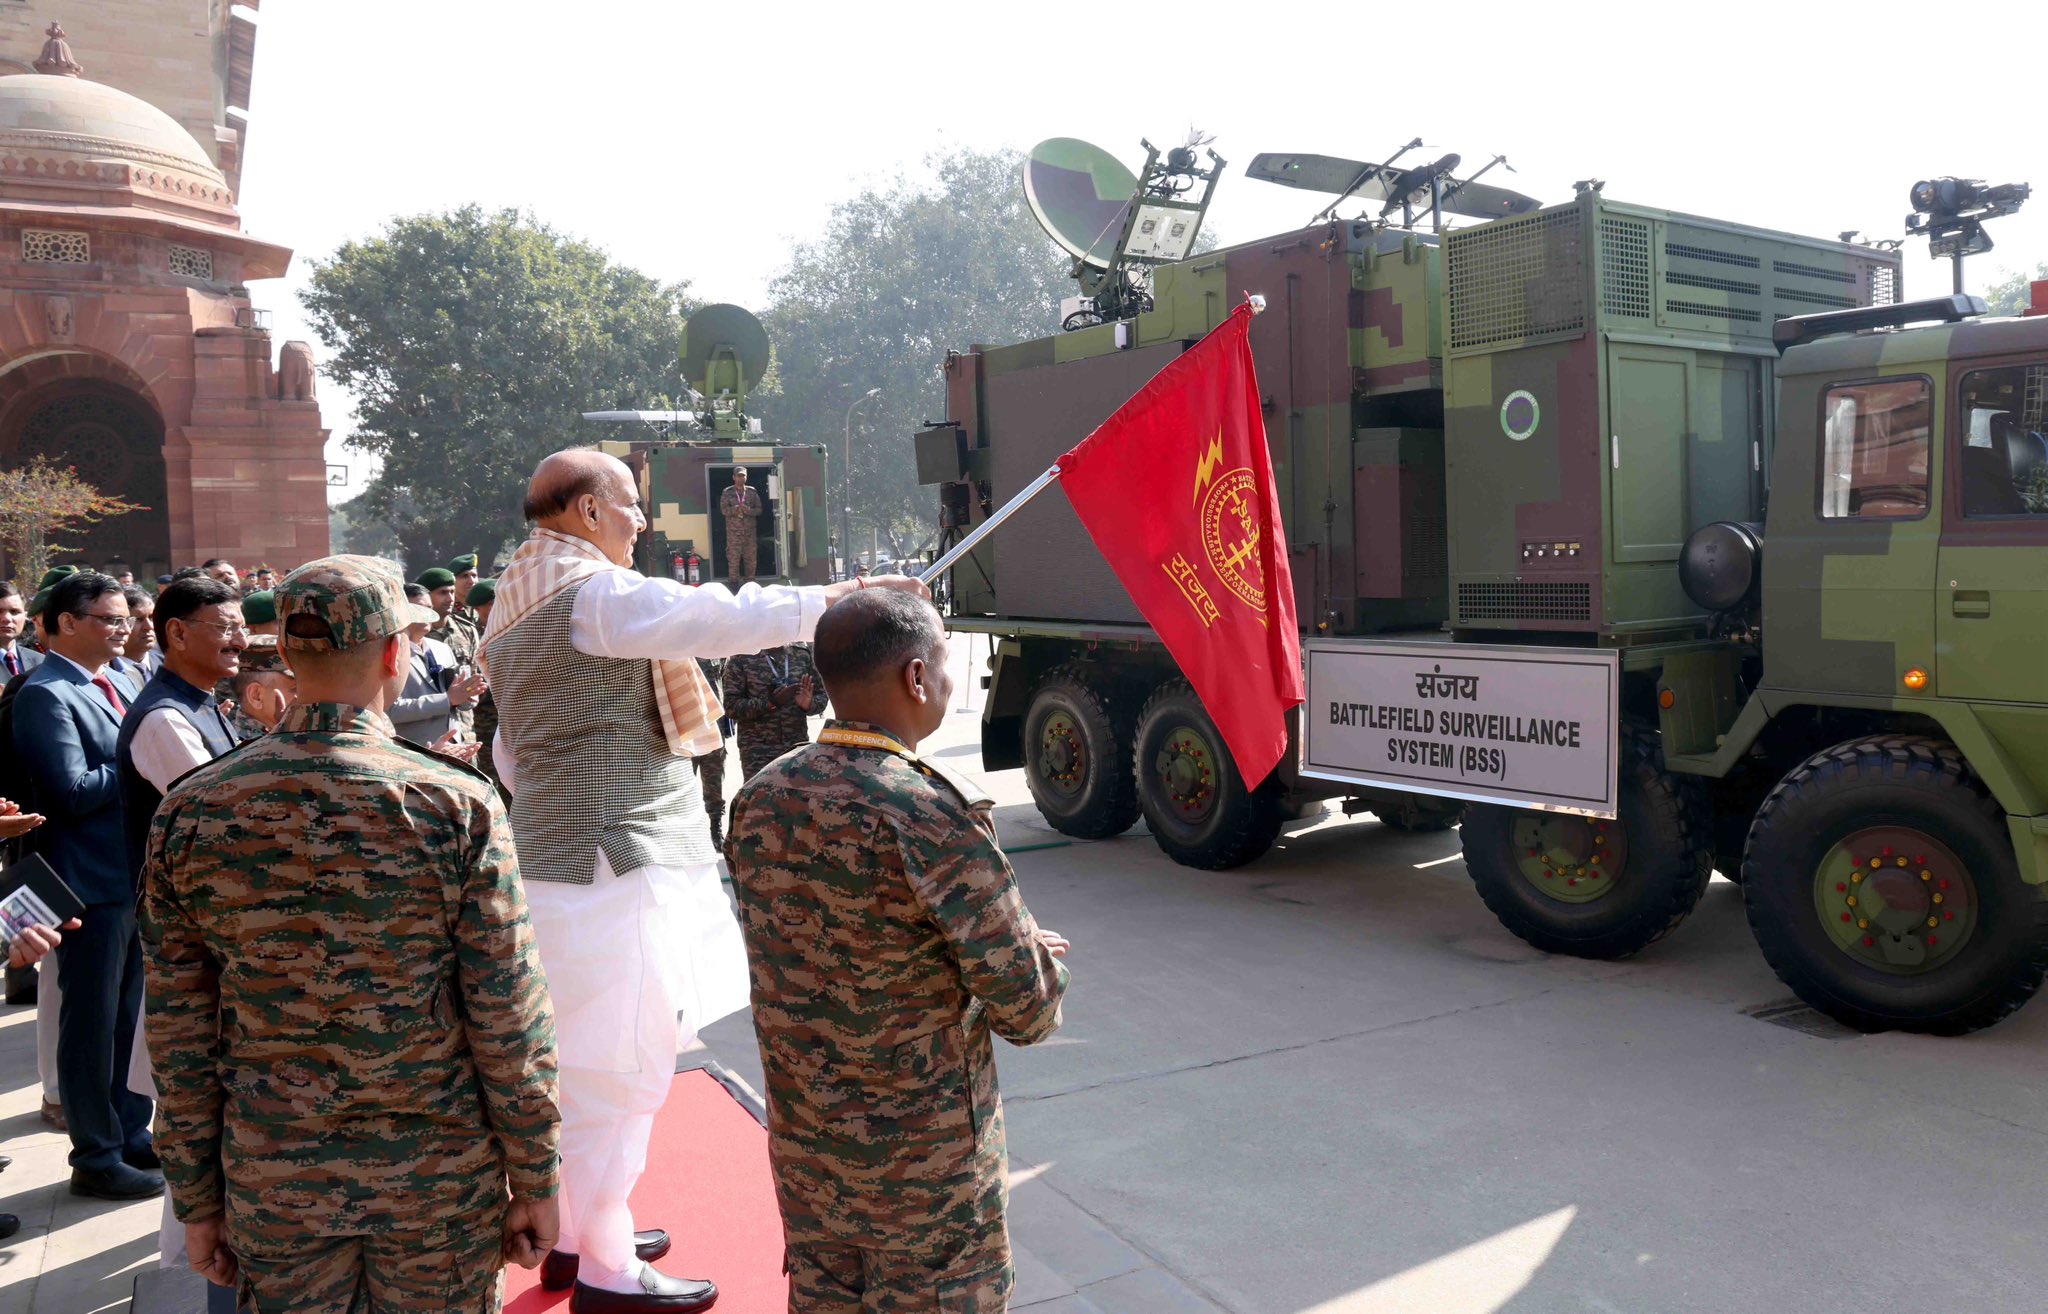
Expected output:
(695, 569)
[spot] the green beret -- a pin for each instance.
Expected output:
(56, 575)
(483, 593)
(260, 607)
(436, 577)
(467, 561)
(37, 603)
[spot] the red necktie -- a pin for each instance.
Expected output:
(13, 663)
(107, 688)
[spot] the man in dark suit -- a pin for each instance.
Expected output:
(16, 657)
(67, 720)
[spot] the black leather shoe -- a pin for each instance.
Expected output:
(119, 1182)
(144, 1158)
(558, 1270)
(9, 1225)
(658, 1291)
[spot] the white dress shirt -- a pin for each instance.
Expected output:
(629, 616)
(166, 746)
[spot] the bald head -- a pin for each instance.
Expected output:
(563, 477)
(882, 655)
(585, 494)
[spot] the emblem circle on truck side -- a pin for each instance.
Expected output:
(1519, 414)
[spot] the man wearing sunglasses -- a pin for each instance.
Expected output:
(67, 721)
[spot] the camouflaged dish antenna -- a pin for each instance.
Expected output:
(1080, 194)
(725, 352)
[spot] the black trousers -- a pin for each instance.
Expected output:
(100, 970)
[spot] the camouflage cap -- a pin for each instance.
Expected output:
(263, 654)
(358, 600)
(260, 607)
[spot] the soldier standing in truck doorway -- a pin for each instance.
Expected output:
(887, 941)
(741, 507)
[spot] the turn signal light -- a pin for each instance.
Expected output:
(1915, 679)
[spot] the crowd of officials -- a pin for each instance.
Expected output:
(400, 900)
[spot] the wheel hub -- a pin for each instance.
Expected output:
(1895, 899)
(1570, 859)
(1186, 767)
(1062, 759)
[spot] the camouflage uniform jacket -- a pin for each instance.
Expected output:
(887, 939)
(463, 640)
(245, 726)
(346, 1009)
(739, 508)
(767, 731)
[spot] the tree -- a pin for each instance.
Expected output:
(2011, 295)
(472, 342)
(903, 274)
(39, 502)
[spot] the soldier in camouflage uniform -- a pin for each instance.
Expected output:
(741, 507)
(481, 595)
(354, 1039)
(770, 696)
(464, 570)
(461, 638)
(262, 690)
(711, 765)
(887, 941)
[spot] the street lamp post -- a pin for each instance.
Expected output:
(846, 482)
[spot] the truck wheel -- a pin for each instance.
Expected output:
(1194, 800)
(1420, 814)
(1882, 887)
(1077, 757)
(1592, 888)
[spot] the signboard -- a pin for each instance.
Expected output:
(1528, 727)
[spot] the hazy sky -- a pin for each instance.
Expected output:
(698, 140)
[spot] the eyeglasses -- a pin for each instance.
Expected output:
(111, 622)
(225, 627)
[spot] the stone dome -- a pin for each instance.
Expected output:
(70, 133)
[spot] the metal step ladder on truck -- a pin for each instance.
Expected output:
(1523, 468)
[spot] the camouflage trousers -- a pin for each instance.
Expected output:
(381, 1273)
(711, 776)
(739, 557)
(829, 1278)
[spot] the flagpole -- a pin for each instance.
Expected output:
(981, 531)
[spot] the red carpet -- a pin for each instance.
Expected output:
(707, 1183)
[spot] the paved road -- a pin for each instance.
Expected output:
(1330, 1082)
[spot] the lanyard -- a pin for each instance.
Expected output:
(833, 734)
(783, 674)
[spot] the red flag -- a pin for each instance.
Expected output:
(1177, 491)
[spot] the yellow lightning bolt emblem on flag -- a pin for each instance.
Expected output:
(1205, 466)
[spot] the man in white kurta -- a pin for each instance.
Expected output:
(601, 707)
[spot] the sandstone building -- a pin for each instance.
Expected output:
(129, 346)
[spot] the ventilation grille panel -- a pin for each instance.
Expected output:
(191, 262)
(1624, 267)
(1884, 285)
(1516, 280)
(1543, 601)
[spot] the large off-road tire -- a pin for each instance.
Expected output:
(1591, 888)
(1077, 755)
(1882, 887)
(1195, 802)
(1420, 814)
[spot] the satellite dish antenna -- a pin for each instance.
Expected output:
(1080, 194)
(725, 352)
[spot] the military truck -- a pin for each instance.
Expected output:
(1640, 543)
(686, 460)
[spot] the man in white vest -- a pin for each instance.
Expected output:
(601, 707)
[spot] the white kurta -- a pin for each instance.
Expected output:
(638, 961)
